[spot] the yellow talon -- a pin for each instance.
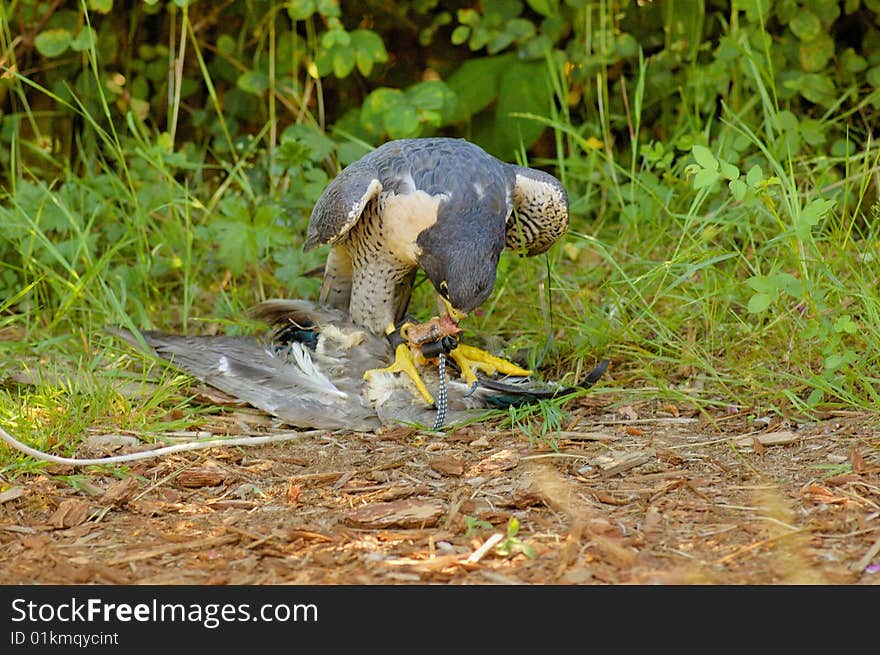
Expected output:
(404, 362)
(469, 357)
(454, 314)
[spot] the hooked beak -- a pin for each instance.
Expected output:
(455, 314)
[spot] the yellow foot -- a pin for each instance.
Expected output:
(468, 358)
(404, 362)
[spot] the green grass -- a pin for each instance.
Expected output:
(761, 294)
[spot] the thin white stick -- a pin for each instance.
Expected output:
(158, 452)
(478, 554)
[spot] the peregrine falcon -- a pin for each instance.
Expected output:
(442, 205)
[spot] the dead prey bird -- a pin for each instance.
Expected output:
(309, 370)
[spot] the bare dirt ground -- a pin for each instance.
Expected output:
(637, 494)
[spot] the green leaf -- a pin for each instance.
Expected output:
(544, 7)
(500, 41)
(759, 302)
(728, 171)
(500, 11)
(291, 154)
(512, 526)
(524, 87)
(300, 9)
(813, 132)
(328, 8)
(253, 82)
(806, 25)
(225, 44)
(834, 362)
(52, 43)
(755, 176)
(818, 89)
(381, 102)
(476, 84)
(101, 6)
(704, 157)
(369, 43)
(846, 324)
(705, 178)
(787, 121)
(788, 283)
(343, 61)
(85, 39)
(520, 28)
(815, 54)
(843, 148)
(739, 189)
(431, 94)
(852, 62)
(460, 34)
(468, 17)
(236, 245)
(755, 9)
(762, 284)
(318, 144)
(816, 211)
(815, 397)
(402, 123)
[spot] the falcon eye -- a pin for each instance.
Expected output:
(444, 288)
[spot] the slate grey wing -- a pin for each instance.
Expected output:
(342, 203)
(337, 211)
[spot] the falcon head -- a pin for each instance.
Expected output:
(462, 272)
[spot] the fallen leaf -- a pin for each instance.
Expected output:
(672, 409)
(293, 492)
(108, 443)
(857, 462)
(120, 492)
(448, 465)
(767, 439)
(232, 503)
(627, 413)
(620, 462)
(408, 513)
(503, 460)
(838, 480)
(756, 444)
(202, 476)
(71, 512)
(11, 494)
(614, 552)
